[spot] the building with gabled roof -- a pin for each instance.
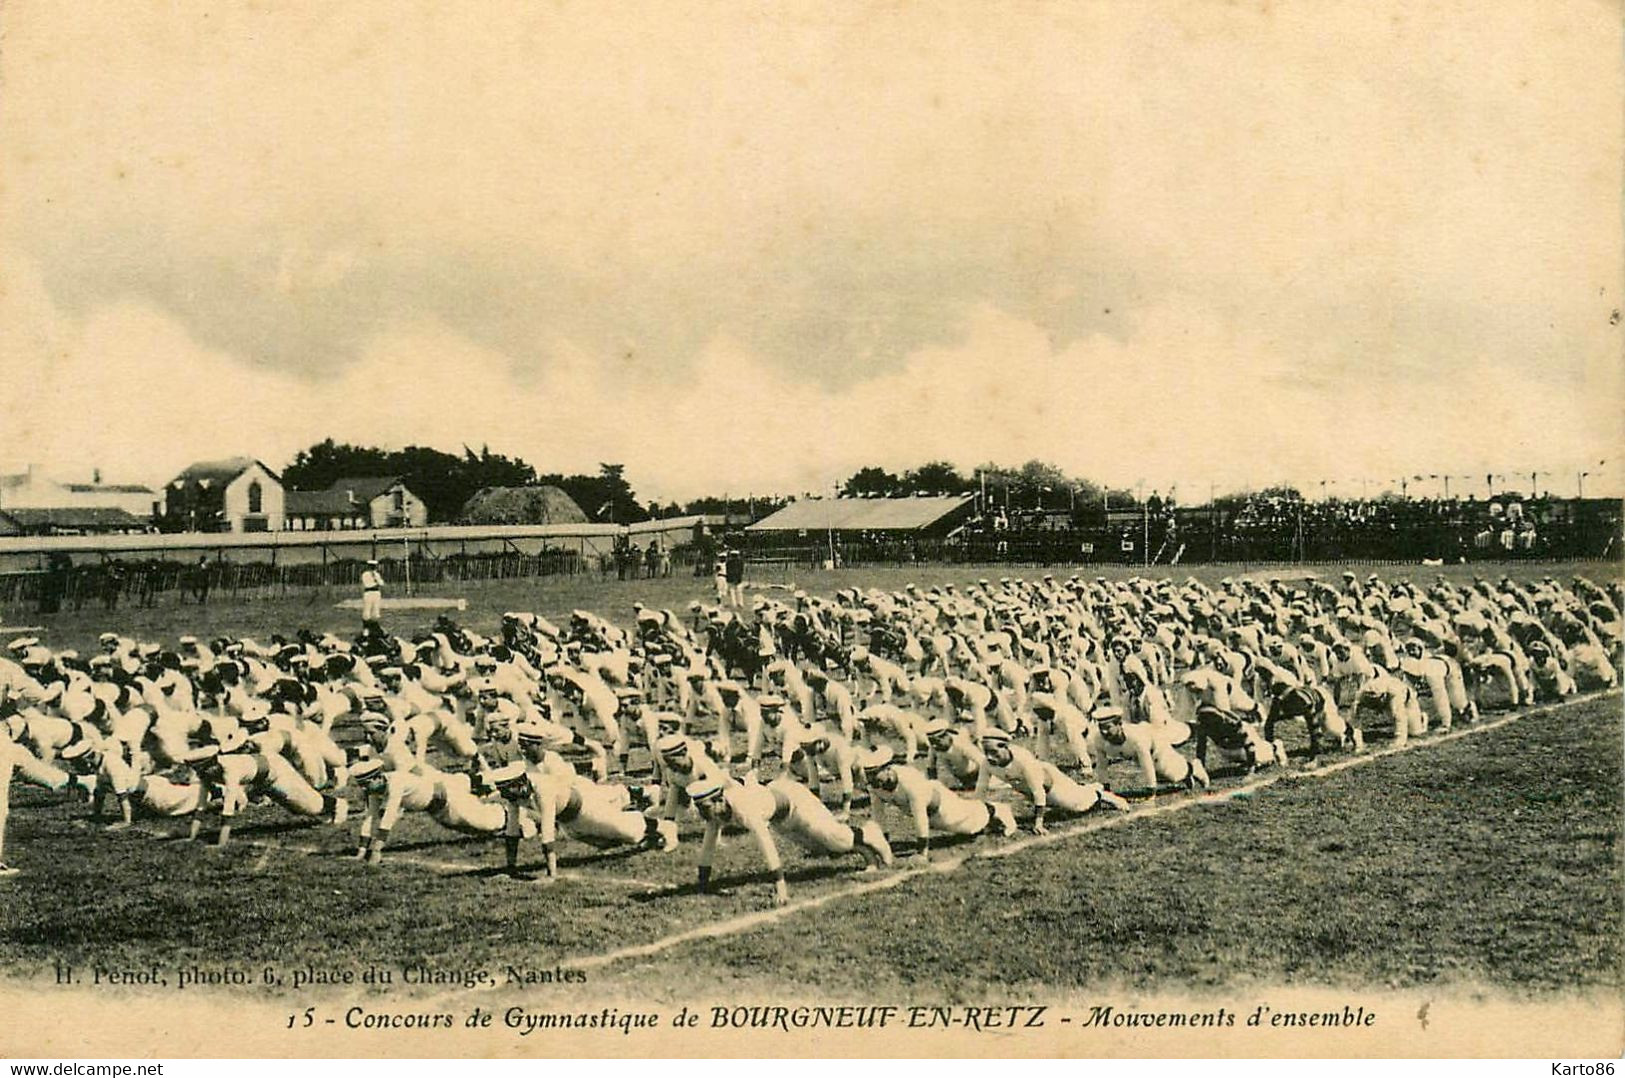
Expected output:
(357, 502)
(238, 494)
(72, 520)
(31, 489)
(922, 517)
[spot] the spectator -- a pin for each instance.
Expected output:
(200, 579)
(735, 562)
(58, 567)
(113, 583)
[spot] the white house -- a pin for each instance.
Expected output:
(239, 494)
(396, 506)
(32, 489)
(32, 503)
(356, 503)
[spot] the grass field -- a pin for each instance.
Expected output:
(1490, 859)
(261, 614)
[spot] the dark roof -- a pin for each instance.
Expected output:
(75, 517)
(335, 500)
(316, 503)
(366, 487)
(221, 471)
(110, 488)
(862, 514)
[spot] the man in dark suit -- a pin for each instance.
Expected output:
(734, 562)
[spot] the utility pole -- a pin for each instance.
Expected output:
(1212, 522)
(1298, 538)
(1145, 524)
(835, 490)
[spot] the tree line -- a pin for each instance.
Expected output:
(446, 481)
(1035, 485)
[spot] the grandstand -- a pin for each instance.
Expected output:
(920, 517)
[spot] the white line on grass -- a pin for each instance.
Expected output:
(745, 922)
(443, 868)
(267, 847)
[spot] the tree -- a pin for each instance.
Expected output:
(618, 495)
(326, 462)
(712, 504)
(872, 482)
(1037, 475)
(1039, 485)
(657, 511)
(495, 470)
(606, 498)
(755, 506)
(936, 477)
(1044, 486)
(444, 481)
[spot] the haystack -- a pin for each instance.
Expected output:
(521, 505)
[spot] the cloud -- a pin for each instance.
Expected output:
(747, 249)
(1174, 400)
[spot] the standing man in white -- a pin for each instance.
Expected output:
(372, 594)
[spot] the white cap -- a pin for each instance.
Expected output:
(505, 774)
(77, 749)
(876, 758)
(704, 789)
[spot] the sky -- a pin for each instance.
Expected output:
(752, 248)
